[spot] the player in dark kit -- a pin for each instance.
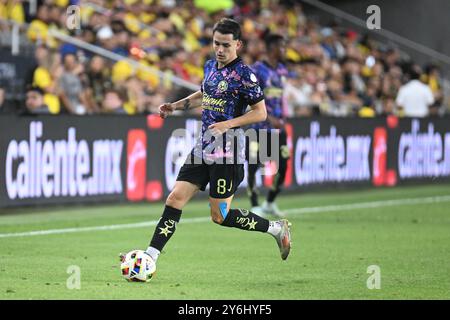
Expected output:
(227, 88)
(271, 75)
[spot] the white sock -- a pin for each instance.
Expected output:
(154, 253)
(274, 228)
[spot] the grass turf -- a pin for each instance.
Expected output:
(329, 259)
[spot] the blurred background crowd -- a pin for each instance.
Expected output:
(334, 70)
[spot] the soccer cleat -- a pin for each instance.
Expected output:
(283, 238)
(272, 208)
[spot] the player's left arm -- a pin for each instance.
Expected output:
(257, 113)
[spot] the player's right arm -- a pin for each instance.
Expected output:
(192, 101)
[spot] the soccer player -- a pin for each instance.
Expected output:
(271, 74)
(227, 88)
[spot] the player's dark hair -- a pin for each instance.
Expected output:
(273, 39)
(415, 72)
(31, 88)
(228, 26)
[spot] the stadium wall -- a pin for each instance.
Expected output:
(70, 159)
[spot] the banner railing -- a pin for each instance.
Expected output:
(48, 160)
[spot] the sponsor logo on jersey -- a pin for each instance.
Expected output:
(213, 104)
(222, 86)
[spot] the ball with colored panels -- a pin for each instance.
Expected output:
(138, 266)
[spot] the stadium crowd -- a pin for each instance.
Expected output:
(333, 70)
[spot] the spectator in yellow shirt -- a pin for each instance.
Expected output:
(44, 77)
(12, 10)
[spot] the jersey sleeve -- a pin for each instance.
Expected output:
(251, 91)
(257, 69)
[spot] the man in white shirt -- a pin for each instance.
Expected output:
(415, 97)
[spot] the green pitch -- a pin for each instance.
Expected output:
(333, 246)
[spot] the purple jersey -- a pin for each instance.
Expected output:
(271, 81)
(226, 92)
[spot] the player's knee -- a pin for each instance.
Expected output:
(174, 200)
(216, 216)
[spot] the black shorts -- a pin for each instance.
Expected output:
(223, 179)
(252, 153)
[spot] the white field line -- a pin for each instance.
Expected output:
(369, 205)
(289, 212)
(96, 228)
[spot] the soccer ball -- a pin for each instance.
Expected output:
(137, 265)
